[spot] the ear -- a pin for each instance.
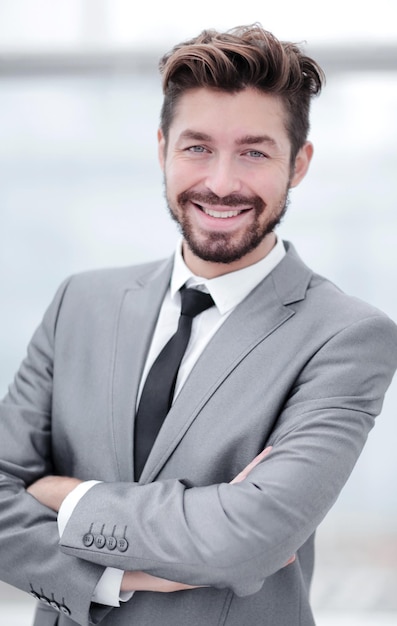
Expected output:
(161, 148)
(302, 162)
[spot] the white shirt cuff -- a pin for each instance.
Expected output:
(107, 590)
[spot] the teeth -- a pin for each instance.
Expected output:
(221, 214)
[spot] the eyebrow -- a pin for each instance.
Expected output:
(242, 141)
(195, 135)
(255, 139)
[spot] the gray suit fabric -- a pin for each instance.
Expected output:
(298, 365)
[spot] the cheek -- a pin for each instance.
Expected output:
(171, 184)
(270, 186)
(180, 177)
(266, 188)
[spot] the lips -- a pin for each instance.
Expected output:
(221, 214)
(225, 214)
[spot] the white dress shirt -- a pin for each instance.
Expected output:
(227, 291)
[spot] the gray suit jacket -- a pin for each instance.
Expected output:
(298, 365)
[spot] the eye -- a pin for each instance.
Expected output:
(198, 149)
(256, 154)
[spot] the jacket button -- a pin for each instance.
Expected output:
(111, 543)
(88, 539)
(45, 600)
(122, 544)
(100, 541)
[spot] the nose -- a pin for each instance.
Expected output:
(222, 176)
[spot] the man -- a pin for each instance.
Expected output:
(283, 362)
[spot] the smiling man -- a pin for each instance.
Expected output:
(179, 429)
(227, 165)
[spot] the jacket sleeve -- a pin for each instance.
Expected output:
(236, 535)
(29, 541)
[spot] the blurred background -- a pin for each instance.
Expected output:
(80, 188)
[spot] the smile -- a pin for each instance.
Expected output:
(221, 214)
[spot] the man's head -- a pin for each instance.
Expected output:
(233, 141)
(246, 56)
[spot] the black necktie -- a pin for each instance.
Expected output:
(158, 390)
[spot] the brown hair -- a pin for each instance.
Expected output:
(246, 56)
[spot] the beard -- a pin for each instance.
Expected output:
(222, 247)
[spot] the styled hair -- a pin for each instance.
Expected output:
(245, 56)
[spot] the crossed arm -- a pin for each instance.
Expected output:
(52, 490)
(317, 437)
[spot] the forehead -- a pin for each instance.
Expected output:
(245, 112)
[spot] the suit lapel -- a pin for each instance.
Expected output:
(259, 315)
(137, 317)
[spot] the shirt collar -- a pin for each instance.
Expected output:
(229, 289)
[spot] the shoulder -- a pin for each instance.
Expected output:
(323, 306)
(124, 277)
(102, 290)
(113, 279)
(338, 308)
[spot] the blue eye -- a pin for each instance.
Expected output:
(256, 154)
(197, 149)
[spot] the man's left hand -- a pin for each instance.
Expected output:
(52, 490)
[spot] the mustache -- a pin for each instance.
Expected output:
(232, 200)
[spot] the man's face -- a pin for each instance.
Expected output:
(227, 173)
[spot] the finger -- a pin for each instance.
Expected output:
(244, 473)
(291, 560)
(260, 456)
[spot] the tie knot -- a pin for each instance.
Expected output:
(195, 302)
